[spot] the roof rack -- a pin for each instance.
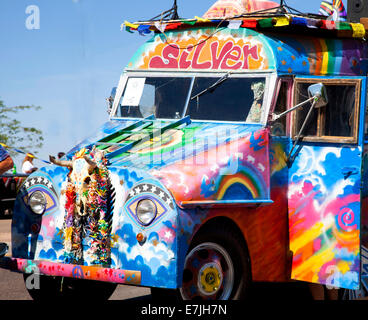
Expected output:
(278, 19)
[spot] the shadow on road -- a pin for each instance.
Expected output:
(293, 291)
(146, 298)
(261, 291)
(5, 217)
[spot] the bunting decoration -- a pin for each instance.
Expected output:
(202, 19)
(281, 22)
(235, 14)
(234, 24)
(285, 22)
(160, 26)
(129, 26)
(358, 30)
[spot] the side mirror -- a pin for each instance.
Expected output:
(318, 91)
(317, 95)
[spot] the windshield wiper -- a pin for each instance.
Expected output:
(212, 87)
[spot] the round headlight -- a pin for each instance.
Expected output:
(146, 211)
(37, 202)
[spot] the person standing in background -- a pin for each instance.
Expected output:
(6, 162)
(27, 166)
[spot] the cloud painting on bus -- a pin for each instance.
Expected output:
(324, 215)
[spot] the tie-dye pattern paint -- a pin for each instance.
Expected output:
(324, 215)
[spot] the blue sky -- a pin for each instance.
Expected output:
(69, 65)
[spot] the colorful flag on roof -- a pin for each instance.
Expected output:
(335, 10)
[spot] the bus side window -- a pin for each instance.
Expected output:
(278, 127)
(335, 122)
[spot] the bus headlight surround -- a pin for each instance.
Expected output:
(37, 202)
(146, 211)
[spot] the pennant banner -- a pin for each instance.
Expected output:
(252, 24)
(144, 30)
(202, 19)
(235, 24)
(131, 25)
(358, 30)
(281, 22)
(160, 26)
(344, 29)
(299, 21)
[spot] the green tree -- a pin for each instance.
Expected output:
(14, 134)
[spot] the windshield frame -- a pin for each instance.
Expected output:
(270, 82)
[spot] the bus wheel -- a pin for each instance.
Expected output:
(49, 288)
(217, 267)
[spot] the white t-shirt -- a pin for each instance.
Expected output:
(27, 167)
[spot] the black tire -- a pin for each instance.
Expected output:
(51, 288)
(221, 239)
(2, 211)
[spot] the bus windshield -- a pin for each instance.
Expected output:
(239, 99)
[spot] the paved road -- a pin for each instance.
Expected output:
(12, 285)
(5, 230)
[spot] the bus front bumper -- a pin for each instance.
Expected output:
(48, 268)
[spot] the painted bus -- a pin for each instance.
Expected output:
(235, 152)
